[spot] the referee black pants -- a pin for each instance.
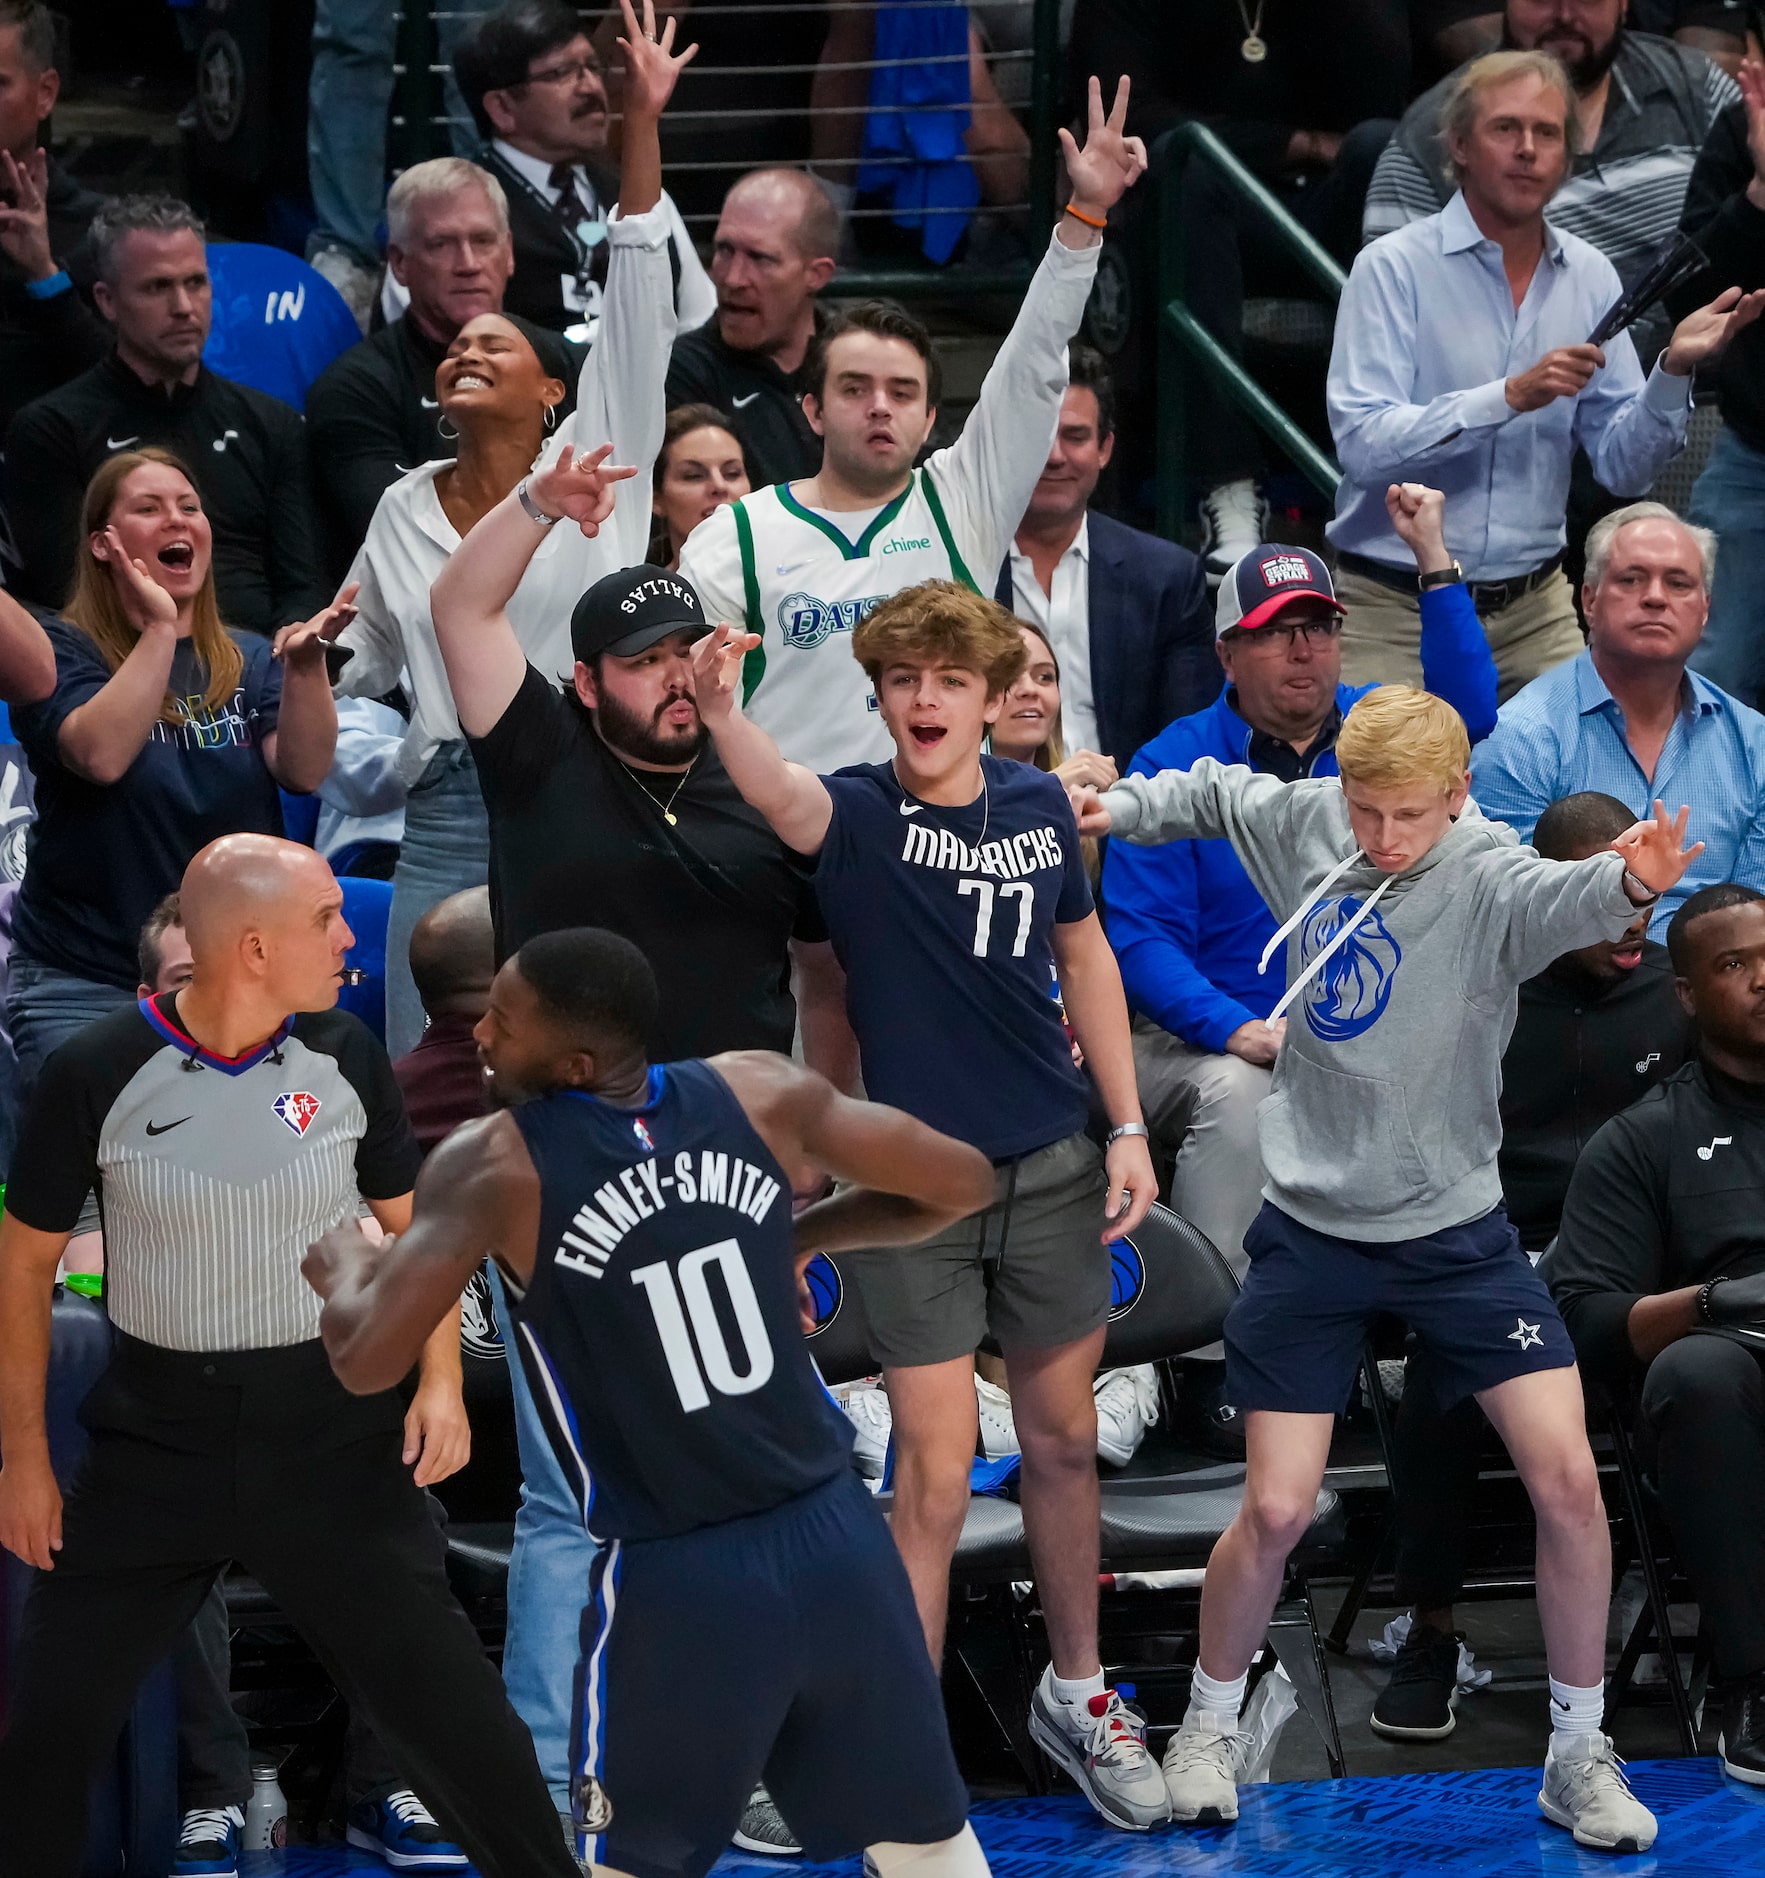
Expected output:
(263, 1457)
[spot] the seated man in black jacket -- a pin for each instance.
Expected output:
(1597, 1030)
(47, 331)
(245, 450)
(1660, 1272)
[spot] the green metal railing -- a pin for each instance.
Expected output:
(1183, 340)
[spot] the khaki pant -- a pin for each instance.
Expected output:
(1382, 633)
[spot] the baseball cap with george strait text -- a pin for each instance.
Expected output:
(627, 612)
(1258, 585)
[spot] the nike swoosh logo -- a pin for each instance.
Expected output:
(430, 404)
(910, 808)
(120, 443)
(741, 404)
(165, 1128)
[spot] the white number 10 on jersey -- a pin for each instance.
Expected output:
(712, 1363)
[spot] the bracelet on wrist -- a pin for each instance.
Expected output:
(1090, 221)
(534, 512)
(1703, 1304)
(1127, 1128)
(1448, 576)
(50, 286)
(1651, 894)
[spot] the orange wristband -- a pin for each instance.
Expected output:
(1090, 221)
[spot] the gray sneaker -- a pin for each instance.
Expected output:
(1103, 1747)
(1201, 1771)
(1585, 1790)
(763, 1828)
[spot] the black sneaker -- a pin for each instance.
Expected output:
(1417, 1703)
(1742, 1740)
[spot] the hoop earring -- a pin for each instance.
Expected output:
(446, 430)
(551, 417)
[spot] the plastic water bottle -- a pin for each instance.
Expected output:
(266, 1812)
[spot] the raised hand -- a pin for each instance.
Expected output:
(145, 601)
(24, 215)
(579, 487)
(1751, 79)
(651, 69)
(302, 645)
(1654, 851)
(1418, 513)
(1110, 163)
(717, 671)
(1701, 335)
(1088, 810)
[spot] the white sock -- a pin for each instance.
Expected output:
(1207, 1697)
(1075, 1694)
(1576, 1711)
(960, 1857)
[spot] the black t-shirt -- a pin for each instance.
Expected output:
(713, 900)
(764, 405)
(101, 856)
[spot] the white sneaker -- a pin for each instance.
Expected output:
(1234, 519)
(1585, 1790)
(1127, 1405)
(358, 283)
(998, 1428)
(1103, 1747)
(867, 1404)
(1201, 1770)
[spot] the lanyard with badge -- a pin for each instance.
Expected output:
(580, 290)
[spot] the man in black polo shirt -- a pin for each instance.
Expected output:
(1595, 1031)
(772, 255)
(224, 1135)
(245, 450)
(1660, 1272)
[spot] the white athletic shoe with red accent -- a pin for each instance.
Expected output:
(1103, 1747)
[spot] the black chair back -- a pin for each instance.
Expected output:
(840, 1341)
(1171, 1291)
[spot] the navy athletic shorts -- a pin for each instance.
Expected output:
(1294, 1338)
(783, 1646)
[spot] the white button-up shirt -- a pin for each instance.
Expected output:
(1063, 618)
(1426, 338)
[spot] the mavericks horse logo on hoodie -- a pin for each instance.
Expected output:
(1353, 985)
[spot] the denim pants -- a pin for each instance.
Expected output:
(548, 1582)
(45, 1006)
(348, 97)
(446, 849)
(1730, 497)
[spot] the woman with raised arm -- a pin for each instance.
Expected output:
(499, 386)
(163, 730)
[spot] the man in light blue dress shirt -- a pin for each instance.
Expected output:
(1461, 359)
(1627, 718)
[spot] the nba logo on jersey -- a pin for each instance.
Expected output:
(297, 1108)
(644, 1139)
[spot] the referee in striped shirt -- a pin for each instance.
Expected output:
(224, 1135)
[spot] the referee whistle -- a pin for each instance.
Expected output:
(353, 975)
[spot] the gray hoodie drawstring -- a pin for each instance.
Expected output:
(1317, 893)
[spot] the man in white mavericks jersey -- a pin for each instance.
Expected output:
(802, 563)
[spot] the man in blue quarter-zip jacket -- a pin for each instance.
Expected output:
(1187, 926)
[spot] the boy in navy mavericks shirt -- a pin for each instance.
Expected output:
(955, 897)
(641, 1218)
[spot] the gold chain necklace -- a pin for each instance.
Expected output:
(650, 795)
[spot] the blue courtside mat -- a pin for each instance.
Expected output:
(1445, 1825)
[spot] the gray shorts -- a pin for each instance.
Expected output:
(1032, 1269)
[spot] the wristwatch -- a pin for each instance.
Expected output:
(1127, 1128)
(1448, 576)
(534, 512)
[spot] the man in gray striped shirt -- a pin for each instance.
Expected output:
(224, 1135)
(1644, 108)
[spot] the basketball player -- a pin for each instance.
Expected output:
(1412, 922)
(746, 1603)
(800, 565)
(955, 895)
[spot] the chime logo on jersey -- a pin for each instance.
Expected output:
(807, 622)
(644, 1140)
(297, 1108)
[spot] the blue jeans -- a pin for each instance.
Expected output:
(446, 849)
(1730, 497)
(348, 97)
(548, 1582)
(45, 1006)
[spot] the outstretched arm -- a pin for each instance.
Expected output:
(484, 660)
(27, 660)
(793, 799)
(907, 1180)
(477, 1196)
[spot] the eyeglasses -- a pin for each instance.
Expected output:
(1286, 632)
(563, 74)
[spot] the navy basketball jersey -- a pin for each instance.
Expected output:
(660, 1329)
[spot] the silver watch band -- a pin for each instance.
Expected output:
(534, 512)
(1127, 1128)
